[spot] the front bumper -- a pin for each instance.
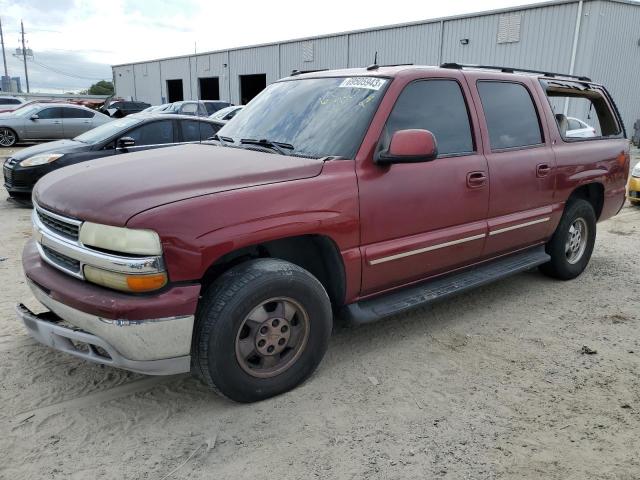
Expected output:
(21, 180)
(634, 189)
(158, 346)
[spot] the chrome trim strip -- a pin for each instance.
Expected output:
(70, 221)
(86, 256)
(520, 225)
(425, 249)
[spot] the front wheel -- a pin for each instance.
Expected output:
(8, 137)
(572, 243)
(261, 329)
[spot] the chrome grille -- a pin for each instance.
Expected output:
(59, 226)
(66, 263)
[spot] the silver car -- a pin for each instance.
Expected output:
(47, 121)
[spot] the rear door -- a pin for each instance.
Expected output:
(521, 163)
(76, 121)
(48, 125)
(422, 219)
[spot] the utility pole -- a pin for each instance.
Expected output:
(4, 56)
(24, 56)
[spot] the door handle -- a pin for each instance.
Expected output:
(542, 170)
(57, 122)
(476, 179)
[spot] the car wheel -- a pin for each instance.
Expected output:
(635, 203)
(8, 138)
(572, 243)
(261, 329)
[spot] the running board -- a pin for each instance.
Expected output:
(368, 311)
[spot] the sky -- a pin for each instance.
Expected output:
(76, 41)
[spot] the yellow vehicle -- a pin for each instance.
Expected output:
(634, 186)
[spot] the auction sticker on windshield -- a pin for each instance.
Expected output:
(370, 83)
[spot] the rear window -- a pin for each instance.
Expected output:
(580, 106)
(511, 116)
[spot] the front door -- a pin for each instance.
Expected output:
(521, 165)
(422, 219)
(150, 135)
(47, 125)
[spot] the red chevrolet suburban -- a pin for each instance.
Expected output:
(360, 193)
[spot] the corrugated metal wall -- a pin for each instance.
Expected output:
(608, 51)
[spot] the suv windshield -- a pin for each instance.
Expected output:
(319, 116)
(107, 130)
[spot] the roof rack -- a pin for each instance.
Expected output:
(460, 66)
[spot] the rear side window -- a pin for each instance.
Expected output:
(77, 113)
(9, 101)
(437, 106)
(189, 108)
(511, 116)
(193, 131)
(573, 101)
(155, 133)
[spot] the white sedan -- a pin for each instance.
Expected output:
(576, 128)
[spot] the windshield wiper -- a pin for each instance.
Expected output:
(223, 140)
(263, 142)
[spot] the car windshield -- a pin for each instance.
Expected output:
(319, 117)
(107, 130)
(26, 111)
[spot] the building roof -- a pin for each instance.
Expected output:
(385, 27)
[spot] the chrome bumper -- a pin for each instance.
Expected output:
(154, 347)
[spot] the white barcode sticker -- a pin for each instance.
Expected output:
(370, 83)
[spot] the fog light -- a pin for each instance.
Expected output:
(125, 282)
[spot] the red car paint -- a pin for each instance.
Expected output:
(206, 202)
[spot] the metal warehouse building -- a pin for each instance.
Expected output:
(596, 38)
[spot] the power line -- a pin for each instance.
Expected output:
(60, 72)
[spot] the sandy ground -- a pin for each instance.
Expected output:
(491, 384)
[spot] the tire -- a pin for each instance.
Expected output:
(635, 203)
(242, 305)
(570, 251)
(8, 137)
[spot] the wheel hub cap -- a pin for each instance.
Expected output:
(272, 337)
(576, 240)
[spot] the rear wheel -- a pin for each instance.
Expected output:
(635, 203)
(261, 329)
(572, 243)
(8, 138)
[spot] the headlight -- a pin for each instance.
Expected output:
(636, 171)
(125, 282)
(120, 240)
(40, 159)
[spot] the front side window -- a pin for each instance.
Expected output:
(437, 106)
(155, 133)
(50, 113)
(319, 117)
(189, 109)
(511, 116)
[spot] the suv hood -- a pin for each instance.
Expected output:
(111, 191)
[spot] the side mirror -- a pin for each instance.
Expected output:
(125, 142)
(409, 146)
(34, 117)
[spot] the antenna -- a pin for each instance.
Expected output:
(375, 65)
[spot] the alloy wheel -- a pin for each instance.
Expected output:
(576, 243)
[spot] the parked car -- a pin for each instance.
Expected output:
(212, 106)
(130, 134)
(8, 104)
(634, 186)
(362, 193)
(576, 128)
(121, 108)
(222, 116)
(156, 108)
(47, 121)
